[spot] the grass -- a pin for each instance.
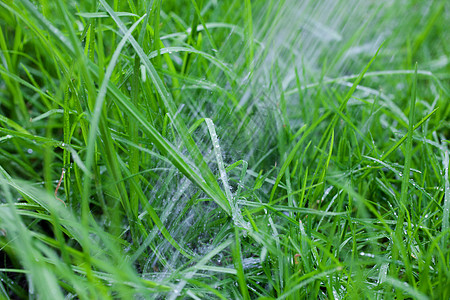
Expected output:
(224, 149)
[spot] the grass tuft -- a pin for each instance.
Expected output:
(224, 149)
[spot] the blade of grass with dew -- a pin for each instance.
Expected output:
(235, 211)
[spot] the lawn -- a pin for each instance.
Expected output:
(208, 149)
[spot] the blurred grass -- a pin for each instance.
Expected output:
(224, 149)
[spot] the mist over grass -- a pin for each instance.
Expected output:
(224, 149)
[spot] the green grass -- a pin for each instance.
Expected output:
(224, 149)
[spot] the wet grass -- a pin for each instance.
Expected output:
(224, 149)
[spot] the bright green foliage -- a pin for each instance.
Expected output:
(224, 149)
